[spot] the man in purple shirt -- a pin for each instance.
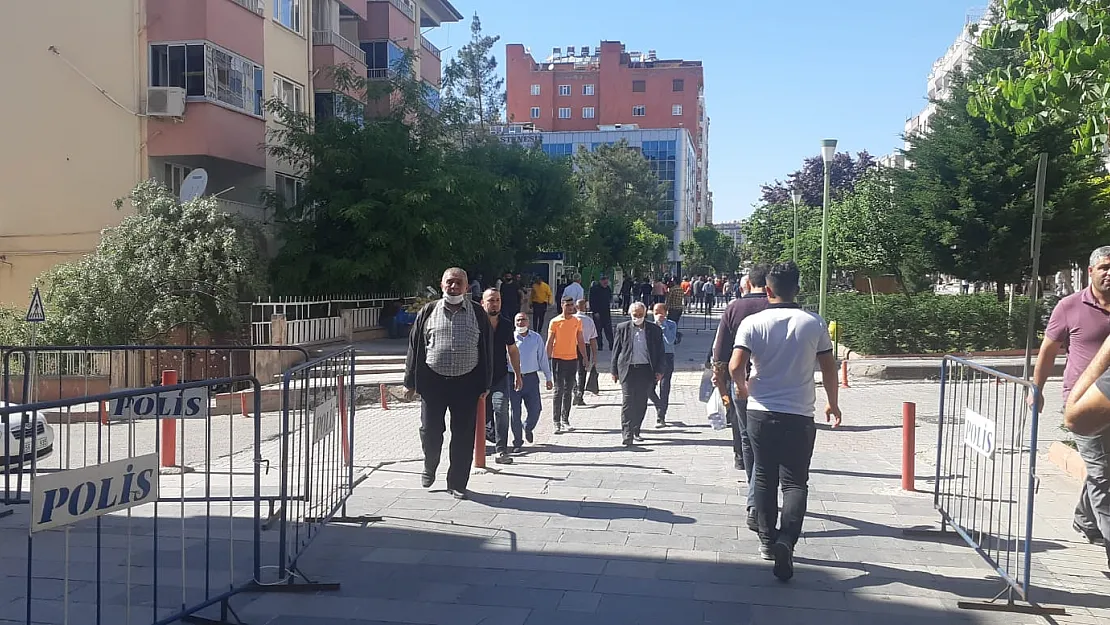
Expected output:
(1081, 323)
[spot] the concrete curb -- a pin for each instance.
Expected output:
(1068, 460)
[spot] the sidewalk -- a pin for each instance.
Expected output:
(582, 531)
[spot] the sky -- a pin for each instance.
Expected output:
(780, 75)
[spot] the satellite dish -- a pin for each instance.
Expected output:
(193, 186)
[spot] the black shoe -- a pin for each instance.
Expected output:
(1092, 537)
(459, 494)
(518, 449)
(627, 442)
(427, 479)
(578, 401)
(660, 423)
(528, 436)
(784, 560)
(503, 458)
(558, 428)
(739, 463)
(753, 520)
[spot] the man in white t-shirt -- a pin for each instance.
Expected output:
(586, 366)
(783, 343)
(574, 289)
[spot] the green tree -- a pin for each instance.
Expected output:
(471, 79)
(709, 250)
(617, 187)
(646, 248)
(971, 193)
(166, 265)
(1063, 78)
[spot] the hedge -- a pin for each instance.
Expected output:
(928, 323)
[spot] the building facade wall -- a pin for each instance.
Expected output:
(288, 55)
(69, 151)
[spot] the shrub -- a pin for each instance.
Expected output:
(929, 324)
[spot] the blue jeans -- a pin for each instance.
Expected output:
(1092, 514)
(529, 394)
(497, 412)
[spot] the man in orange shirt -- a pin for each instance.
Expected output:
(565, 344)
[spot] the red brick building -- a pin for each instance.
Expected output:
(582, 89)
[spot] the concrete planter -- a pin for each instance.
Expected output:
(1068, 460)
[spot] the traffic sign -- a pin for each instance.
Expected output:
(35, 312)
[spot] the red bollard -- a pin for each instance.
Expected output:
(480, 436)
(385, 396)
(909, 444)
(104, 413)
(844, 374)
(243, 403)
(345, 440)
(169, 427)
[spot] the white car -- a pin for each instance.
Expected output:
(25, 434)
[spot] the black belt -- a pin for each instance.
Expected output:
(639, 366)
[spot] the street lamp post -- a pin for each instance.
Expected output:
(796, 195)
(828, 150)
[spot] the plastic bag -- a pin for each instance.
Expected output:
(716, 410)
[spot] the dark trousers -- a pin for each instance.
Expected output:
(635, 390)
(564, 372)
(460, 396)
(1092, 514)
(583, 377)
(529, 395)
(742, 443)
(709, 300)
(539, 311)
(783, 448)
(662, 398)
(604, 323)
(674, 315)
(497, 413)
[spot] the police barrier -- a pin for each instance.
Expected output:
(65, 436)
(317, 469)
(113, 539)
(985, 482)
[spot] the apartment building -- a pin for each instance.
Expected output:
(125, 90)
(582, 89)
(733, 229)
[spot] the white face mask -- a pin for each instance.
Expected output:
(454, 300)
(638, 321)
(522, 331)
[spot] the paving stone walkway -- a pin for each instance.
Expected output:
(583, 531)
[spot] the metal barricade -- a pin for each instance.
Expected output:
(317, 471)
(117, 538)
(54, 373)
(985, 482)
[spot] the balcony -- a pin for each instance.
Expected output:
(429, 46)
(235, 25)
(406, 7)
(251, 5)
(209, 129)
(331, 38)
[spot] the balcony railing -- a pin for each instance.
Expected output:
(250, 211)
(429, 46)
(405, 6)
(332, 38)
(251, 5)
(377, 73)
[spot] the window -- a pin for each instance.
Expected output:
(290, 93)
(173, 175)
(535, 89)
(289, 189)
(564, 89)
(535, 112)
(587, 112)
(639, 86)
(639, 110)
(382, 58)
(587, 89)
(205, 71)
(288, 14)
(676, 110)
(678, 84)
(564, 113)
(558, 150)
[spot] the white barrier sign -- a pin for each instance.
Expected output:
(979, 433)
(323, 419)
(66, 497)
(190, 403)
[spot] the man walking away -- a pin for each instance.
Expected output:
(638, 365)
(658, 292)
(587, 365)
(676, 298)
(505, 358)
(695, 294)
(574, 290)
(784, 343)
(533, 359)
(541, 299)
(645, 291)
(1081, 323)
(601, 305)
(723, 345)
(709, 293)
(670, 335)
(449, 363)
(626, 292)
(510, 295)
(565, 345)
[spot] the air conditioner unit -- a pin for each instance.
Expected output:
(165, 101)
